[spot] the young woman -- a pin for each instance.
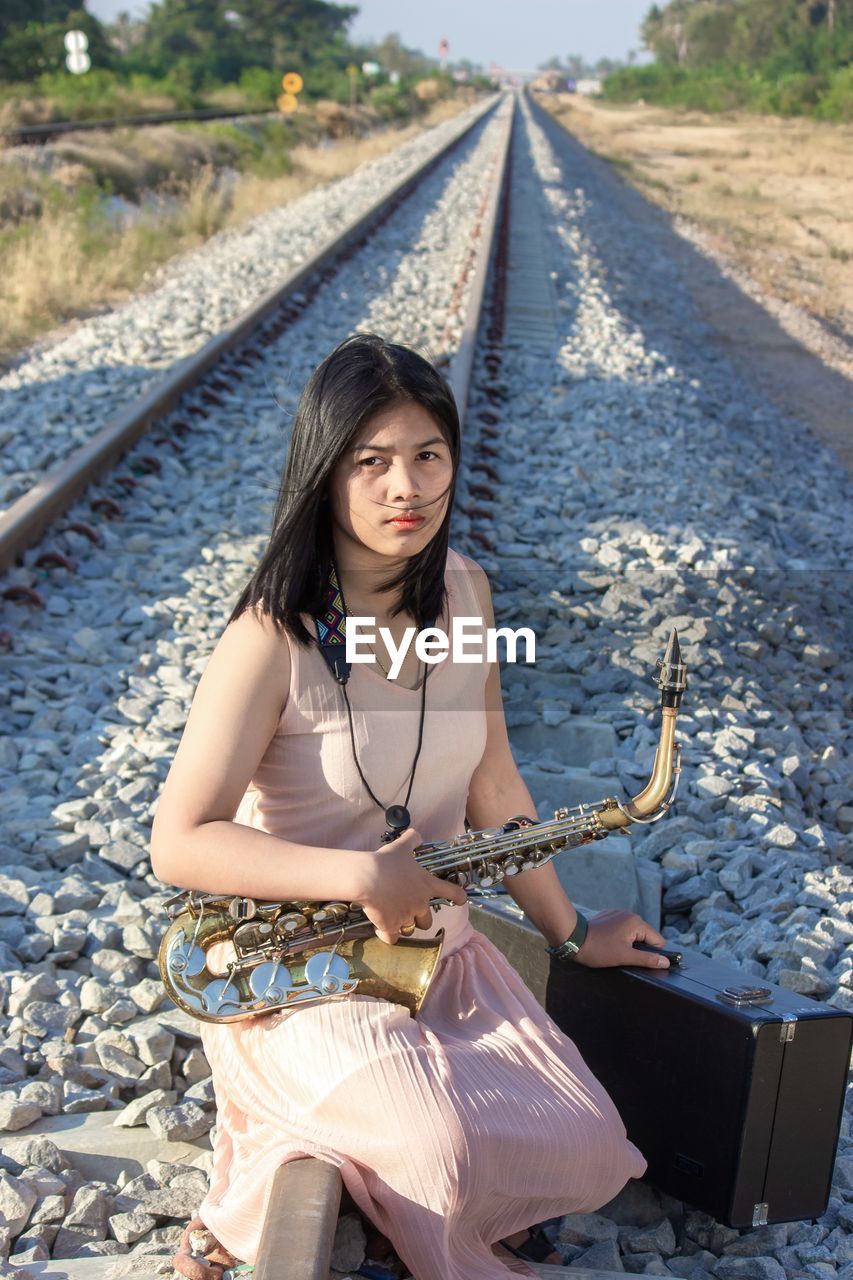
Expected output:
(463, 1127)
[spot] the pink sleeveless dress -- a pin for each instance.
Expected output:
(451, 1130)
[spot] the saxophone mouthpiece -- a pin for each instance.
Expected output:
(672, 673)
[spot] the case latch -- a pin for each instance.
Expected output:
(759, 1214)
(740, 996)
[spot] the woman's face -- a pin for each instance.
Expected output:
(389, 492)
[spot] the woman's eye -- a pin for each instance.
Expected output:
(368, 462)
(427, 453)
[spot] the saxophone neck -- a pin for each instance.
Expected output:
(512, 851)
(652, 803)
(672, 674)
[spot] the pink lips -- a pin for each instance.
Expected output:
(406, 521)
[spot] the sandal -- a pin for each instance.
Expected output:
(536, 1248)
(200, 1256)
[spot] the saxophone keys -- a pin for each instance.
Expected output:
(327, 972)
(511, 867)
(242, 908)
(252, 935)
(489, 874)
(187, 960)
(196, 962)
(214, 998)
(292, 923)
(270, 981)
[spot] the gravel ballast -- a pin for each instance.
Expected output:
(639, 482)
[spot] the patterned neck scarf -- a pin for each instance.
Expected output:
(332, 629)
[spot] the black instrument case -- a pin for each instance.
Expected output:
(731, 1087)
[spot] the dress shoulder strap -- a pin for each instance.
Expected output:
(464, 599)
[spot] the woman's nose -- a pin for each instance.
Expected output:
(404, 485)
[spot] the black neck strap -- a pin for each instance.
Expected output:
(331, 637)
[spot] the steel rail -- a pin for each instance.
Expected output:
(26, 519)
(463, 362)
(22, 133)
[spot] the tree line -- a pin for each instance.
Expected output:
(195, 45)
(787, 56)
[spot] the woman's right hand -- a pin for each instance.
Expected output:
(399, 890)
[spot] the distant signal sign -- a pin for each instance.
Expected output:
(291, 83)
(76, 41)
(77, 59)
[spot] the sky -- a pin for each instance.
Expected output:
(516, 34)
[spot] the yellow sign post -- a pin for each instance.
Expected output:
(291, 83)
(352, 72)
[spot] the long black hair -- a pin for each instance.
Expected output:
(363, 375)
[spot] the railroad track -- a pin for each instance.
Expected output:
(202, 385)
(205, 384)
(17, 135)
(214, 368)
(181, 535)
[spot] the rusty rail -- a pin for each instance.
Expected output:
(25, 520)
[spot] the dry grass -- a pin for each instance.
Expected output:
(135, 160)
(70, 260)
(775, 194)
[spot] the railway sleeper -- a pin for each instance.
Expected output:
(301, 1219)
(302, 1216)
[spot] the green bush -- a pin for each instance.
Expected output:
(260, 87)
(829, 97)
(270, 157)
(95, 94)
(789, 57)
(101, 94)
(836, 103)
(391, 101)
(706, 90)
(794, 94)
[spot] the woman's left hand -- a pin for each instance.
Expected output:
(610, 939)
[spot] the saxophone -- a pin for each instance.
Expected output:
(289, 953)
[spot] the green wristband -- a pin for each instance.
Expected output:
(568, 950)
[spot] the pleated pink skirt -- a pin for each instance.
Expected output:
(451, 1131)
